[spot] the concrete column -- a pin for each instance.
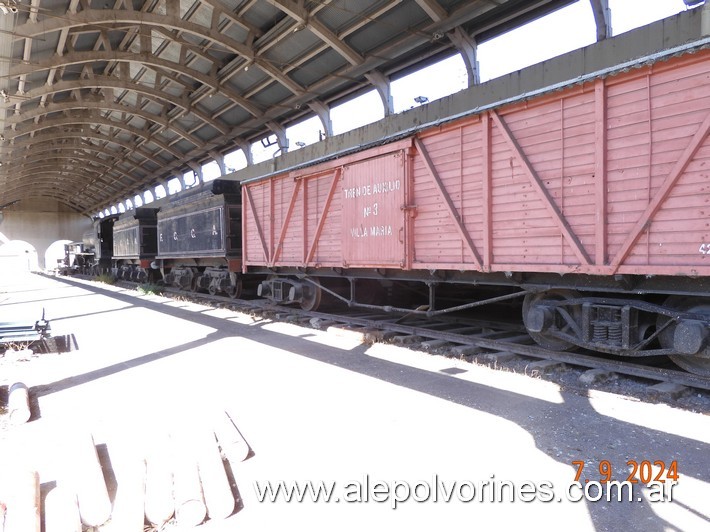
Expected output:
(323, 112)
(467, 47)
(280, 133)
(198, 172)
(219, 159)
(382, 84)
(246, 149)
(602, 18)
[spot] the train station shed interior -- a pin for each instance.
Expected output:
(103, 101)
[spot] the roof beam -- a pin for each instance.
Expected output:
(88, 133)
(113, 82)
(91, 17)
(40, 112)
(433, 9)
(94, 121)
(75, 58)
(298, 12)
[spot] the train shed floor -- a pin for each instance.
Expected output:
(406, 440)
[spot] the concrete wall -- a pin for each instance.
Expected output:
(686, 27)
(40, 223)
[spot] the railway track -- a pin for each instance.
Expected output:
(488, 336)
(476, 340)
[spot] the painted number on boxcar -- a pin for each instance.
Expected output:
(373, 223)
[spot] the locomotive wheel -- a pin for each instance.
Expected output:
(545, 339)
(235, 291)
(193, 282)
(312, 295)
(700, 363)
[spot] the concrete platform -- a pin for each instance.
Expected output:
(318, 407)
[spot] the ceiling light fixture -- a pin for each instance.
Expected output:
(8, 6)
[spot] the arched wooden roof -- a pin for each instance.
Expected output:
(101, 99)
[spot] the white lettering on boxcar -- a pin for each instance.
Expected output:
(381, 230)
(373, 230)
(381, 187)
(371, 209)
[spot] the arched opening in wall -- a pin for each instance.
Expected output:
(18, 256)
(189, 179)
(556, 33)
(432, 82)
(360, 111)
(54, 256)
(304, 133)
(174, 185)
(210, 171)
(234, 161)
(160, 192)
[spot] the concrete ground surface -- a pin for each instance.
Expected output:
(378, 422)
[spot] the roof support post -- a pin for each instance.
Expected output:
(219, 159)
(246, 150)
(280, 133)
(382, 84)
(602, 18)
(323, 112)
(198, 172)
(467, 47)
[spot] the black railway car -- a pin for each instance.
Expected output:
(199, 239)
(99, 243)
(135, 245)
(78, 258)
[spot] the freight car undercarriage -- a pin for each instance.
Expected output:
(212, 279)
(606, 317)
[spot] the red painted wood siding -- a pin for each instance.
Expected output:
(612, 176)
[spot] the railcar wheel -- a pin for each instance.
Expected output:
(312, 295)
(700, 363)
(545, 338)
(234, 291)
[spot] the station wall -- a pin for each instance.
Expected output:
(40, 223)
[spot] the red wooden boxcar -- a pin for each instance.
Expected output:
(606, 182)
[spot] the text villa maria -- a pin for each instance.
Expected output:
(375, 230)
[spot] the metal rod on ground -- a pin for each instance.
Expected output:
(89, 483)
(159, 502)
(18, 403)
(61, 512)
(23, 506)
(190, 509)
(215, 484)
(233, 444)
